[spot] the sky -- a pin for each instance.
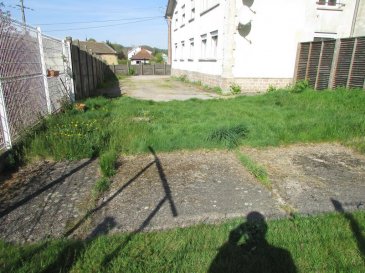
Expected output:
(127, 22)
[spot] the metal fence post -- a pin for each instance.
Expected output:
(66, 47)
(44, 71)
(4, 120)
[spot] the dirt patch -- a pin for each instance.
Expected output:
(162, 88)
(309, 177)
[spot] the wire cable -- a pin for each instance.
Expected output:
(113, 25)
(98, 21)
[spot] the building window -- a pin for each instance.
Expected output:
(176, 20)
(183, 15)
(182, 50)
(203, 49)
(191, 50)
(328, 2)
(192, 11)
(214, 43)
(175, 53)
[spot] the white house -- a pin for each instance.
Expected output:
(252, 43)
(135, 51)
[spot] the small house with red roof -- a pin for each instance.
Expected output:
(142, 57)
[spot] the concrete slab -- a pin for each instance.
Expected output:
(42, 200)
(180, 189)
(310, 177)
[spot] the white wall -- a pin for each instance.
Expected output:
(360, 22)
(278, 27)
(201, 25)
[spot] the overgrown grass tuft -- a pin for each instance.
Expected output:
(101, 186)
(230, 136)
(256, 170)
(108, 161)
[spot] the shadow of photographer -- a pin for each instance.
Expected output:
(247, 250)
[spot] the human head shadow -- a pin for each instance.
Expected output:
(354, 225)
(103, 228)
(247, 250)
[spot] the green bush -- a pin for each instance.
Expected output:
(217, 89)
(131, 71)
(107, 163)
(235, 89)
(183, 78)
(271, 88)
(300, 86)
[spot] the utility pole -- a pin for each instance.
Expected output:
(23, 12)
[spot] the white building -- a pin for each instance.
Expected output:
(252, 42)
(135, 51)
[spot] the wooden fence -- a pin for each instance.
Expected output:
(141, 69)
(331, 64)
(88, 71)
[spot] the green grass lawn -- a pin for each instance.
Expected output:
(331, 243)
(129, 126)
(327, 243)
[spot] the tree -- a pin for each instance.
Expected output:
(158, 58)
(91, 40)
(118, 48)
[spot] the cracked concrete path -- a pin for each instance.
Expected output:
(179, 189)
(162, 88)
(166, 190)
(41, 200)
(310, 177)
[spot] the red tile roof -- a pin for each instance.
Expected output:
(142, 55)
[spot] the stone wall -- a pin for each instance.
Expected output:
(248, 85)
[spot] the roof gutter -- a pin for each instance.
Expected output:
(170, 8)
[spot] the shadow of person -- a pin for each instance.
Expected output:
(247, 250)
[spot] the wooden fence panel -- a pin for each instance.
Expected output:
(145, 69)
(357, 77)
(302, 61)
(314, 62)
(332, 64)
(344, 63)
(324, 71)
(89, 71)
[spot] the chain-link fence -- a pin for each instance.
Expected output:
(35, 78)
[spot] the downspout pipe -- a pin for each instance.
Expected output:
(354, 19)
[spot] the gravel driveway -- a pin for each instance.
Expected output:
(162, 88)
